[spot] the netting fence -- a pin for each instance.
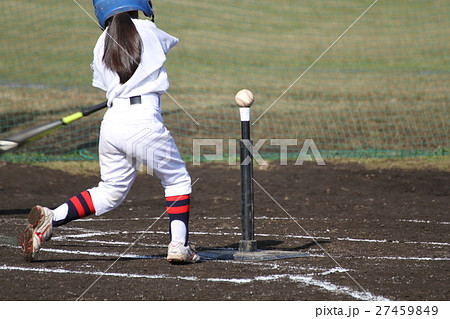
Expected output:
(361, 78)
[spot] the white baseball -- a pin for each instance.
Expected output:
(244, 98)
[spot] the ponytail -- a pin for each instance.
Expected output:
(123, 46)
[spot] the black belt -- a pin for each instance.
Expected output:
(135, 100)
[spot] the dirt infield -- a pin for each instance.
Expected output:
(370, 235)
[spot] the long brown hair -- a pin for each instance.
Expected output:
(123, 46)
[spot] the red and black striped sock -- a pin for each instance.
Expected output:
(178, 208)
(79, 206)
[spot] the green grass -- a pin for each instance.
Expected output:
(440, 163)
(384, 85)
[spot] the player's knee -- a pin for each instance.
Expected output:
(179, 186)
(107, 196)
(114, 198)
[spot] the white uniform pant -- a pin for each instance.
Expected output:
(131, 136)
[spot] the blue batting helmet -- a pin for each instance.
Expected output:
(105, 9)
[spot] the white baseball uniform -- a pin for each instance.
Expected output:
(134, 134)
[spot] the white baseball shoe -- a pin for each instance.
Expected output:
(178, 253)
(39, 229)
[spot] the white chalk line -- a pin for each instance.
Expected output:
(139, 219)
(407, 258)
(89, 233)
(87, 253)
(86, 233)
(423, 221)
(117, 255)
(393, 241)
(103, 254)
(302, 279)
(256, 218)
(112, 243)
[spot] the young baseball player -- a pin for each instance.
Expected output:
(129, 65)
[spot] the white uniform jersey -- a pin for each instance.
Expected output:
(149, 77)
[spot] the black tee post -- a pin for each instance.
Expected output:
(248, 242)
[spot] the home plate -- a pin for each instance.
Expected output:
(257, 255)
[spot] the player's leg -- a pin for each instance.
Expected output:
(178, 208)
(166, 162)
(77, 207)
(179, 250)
(117, 176)
(117, 173)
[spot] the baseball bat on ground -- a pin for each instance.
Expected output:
(32, 134)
